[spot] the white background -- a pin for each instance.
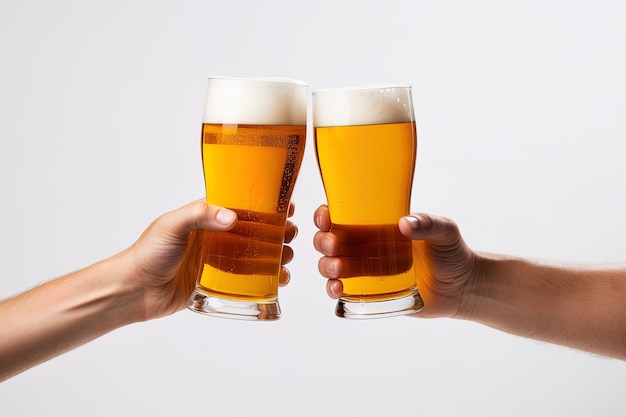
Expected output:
(522, 134)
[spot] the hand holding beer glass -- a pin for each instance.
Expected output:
(253, 139)
(366, 142)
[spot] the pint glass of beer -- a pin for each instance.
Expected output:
(253, 139)
(366, 142)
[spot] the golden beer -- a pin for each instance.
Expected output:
(366, 148)
(244, 263)
(253, 140)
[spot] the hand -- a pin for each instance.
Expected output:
(444, 264)
(166, 257)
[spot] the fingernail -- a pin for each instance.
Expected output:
(225, 217)
(413, 222)
(285, 276)
(318, 221)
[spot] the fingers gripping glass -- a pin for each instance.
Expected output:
(366, 142)
(253, 139)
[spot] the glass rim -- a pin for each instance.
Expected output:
(263, 79)
(362, 88)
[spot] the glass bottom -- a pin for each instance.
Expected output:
(233, 309)
(364, 309)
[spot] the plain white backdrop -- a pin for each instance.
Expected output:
(521, 111)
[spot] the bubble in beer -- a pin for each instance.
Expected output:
(253, 140)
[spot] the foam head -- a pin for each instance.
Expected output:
(365, 104)
(258, 101)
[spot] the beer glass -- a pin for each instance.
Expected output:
(253, 139)
(366, 142)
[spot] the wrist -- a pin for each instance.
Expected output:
(125, 292)
(102, 292)
(495, 290)
(522, 297)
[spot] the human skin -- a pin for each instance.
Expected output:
(579, 307)
(143, 282)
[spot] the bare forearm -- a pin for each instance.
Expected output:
(583, 308)
(63, 314)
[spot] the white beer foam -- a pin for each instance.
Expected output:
(365, 104)
(258, 101)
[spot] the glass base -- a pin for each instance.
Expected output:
(363, 309)
(233, 309)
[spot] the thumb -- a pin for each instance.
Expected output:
(421, 226)
(199, 215)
